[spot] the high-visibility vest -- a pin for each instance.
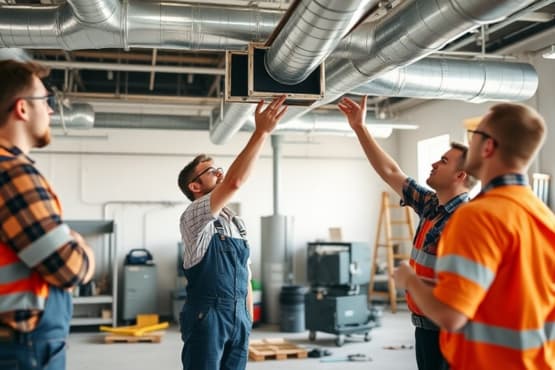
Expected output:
(20, 287)
(495, 265)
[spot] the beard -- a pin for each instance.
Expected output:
(472, 167)
(43, 140)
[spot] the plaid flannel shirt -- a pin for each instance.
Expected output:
(30, 218)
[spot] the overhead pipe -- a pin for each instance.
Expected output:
(413, 31)
(78, 116)
(470, 80)
(334, 123)
(311, 33)
(151, 122)
(15, 53)
(95, 11)
(229, 119)
(514, 17)
(82, 24)
(409, 33)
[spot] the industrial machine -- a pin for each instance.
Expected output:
(139, 285)
(335, 304)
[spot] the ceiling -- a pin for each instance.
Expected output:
(190, 82)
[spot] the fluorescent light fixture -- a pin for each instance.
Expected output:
(549, 53)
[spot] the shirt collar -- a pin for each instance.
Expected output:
(14, 150)
(452, 204)
(508, 179)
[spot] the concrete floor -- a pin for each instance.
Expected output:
(87, 351)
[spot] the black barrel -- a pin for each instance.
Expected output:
(291, 301)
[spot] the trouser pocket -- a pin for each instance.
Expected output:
(52, 353)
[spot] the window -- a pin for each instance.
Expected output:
(429, 151)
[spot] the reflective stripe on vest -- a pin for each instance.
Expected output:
(423, 258)
(21, 301)
(44, 246)
(466, 268)
(21, 288)
(510, 338)
(14, 272)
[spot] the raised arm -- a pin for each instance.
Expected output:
(239, 171)
(383, 164)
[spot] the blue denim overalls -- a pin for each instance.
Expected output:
(45, 347)
(215, 323)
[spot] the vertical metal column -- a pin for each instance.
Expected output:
(276, 243)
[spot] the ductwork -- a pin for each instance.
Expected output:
(473, 81)
(14, 53)
(232, 118)
(78, 117)
(334, 123)
(311, 33)
(413, 31)
(86, 24)
(144, 121)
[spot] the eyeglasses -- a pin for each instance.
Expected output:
(50, 100)
(481, 133)
(212, 170)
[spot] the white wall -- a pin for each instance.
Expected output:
(130, 176)
(446, 117)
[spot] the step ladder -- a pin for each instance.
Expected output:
(385, 239)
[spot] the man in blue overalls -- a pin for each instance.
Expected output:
(217, 316)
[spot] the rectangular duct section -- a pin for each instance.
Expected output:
(247, 80)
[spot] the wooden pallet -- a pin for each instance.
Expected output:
(274, 349)
(155, 337)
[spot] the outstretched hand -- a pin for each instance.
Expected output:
(267, 119)
(355, 113)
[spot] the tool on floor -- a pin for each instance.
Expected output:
(402, 346)
(358, 357)
(318, 352)
(145, 324)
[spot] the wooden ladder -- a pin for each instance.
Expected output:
(389, 241)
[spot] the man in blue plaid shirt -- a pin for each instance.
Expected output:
(451, 184)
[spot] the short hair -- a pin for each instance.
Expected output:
(519, 131)
(16, 77)
(469, 181)
(187, 174)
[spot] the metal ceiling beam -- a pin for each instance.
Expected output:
(131, 67)
(144, 98)
(135, 56)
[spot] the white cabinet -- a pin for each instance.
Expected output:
(97, 304)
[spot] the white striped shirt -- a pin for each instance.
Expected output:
(197, 229)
